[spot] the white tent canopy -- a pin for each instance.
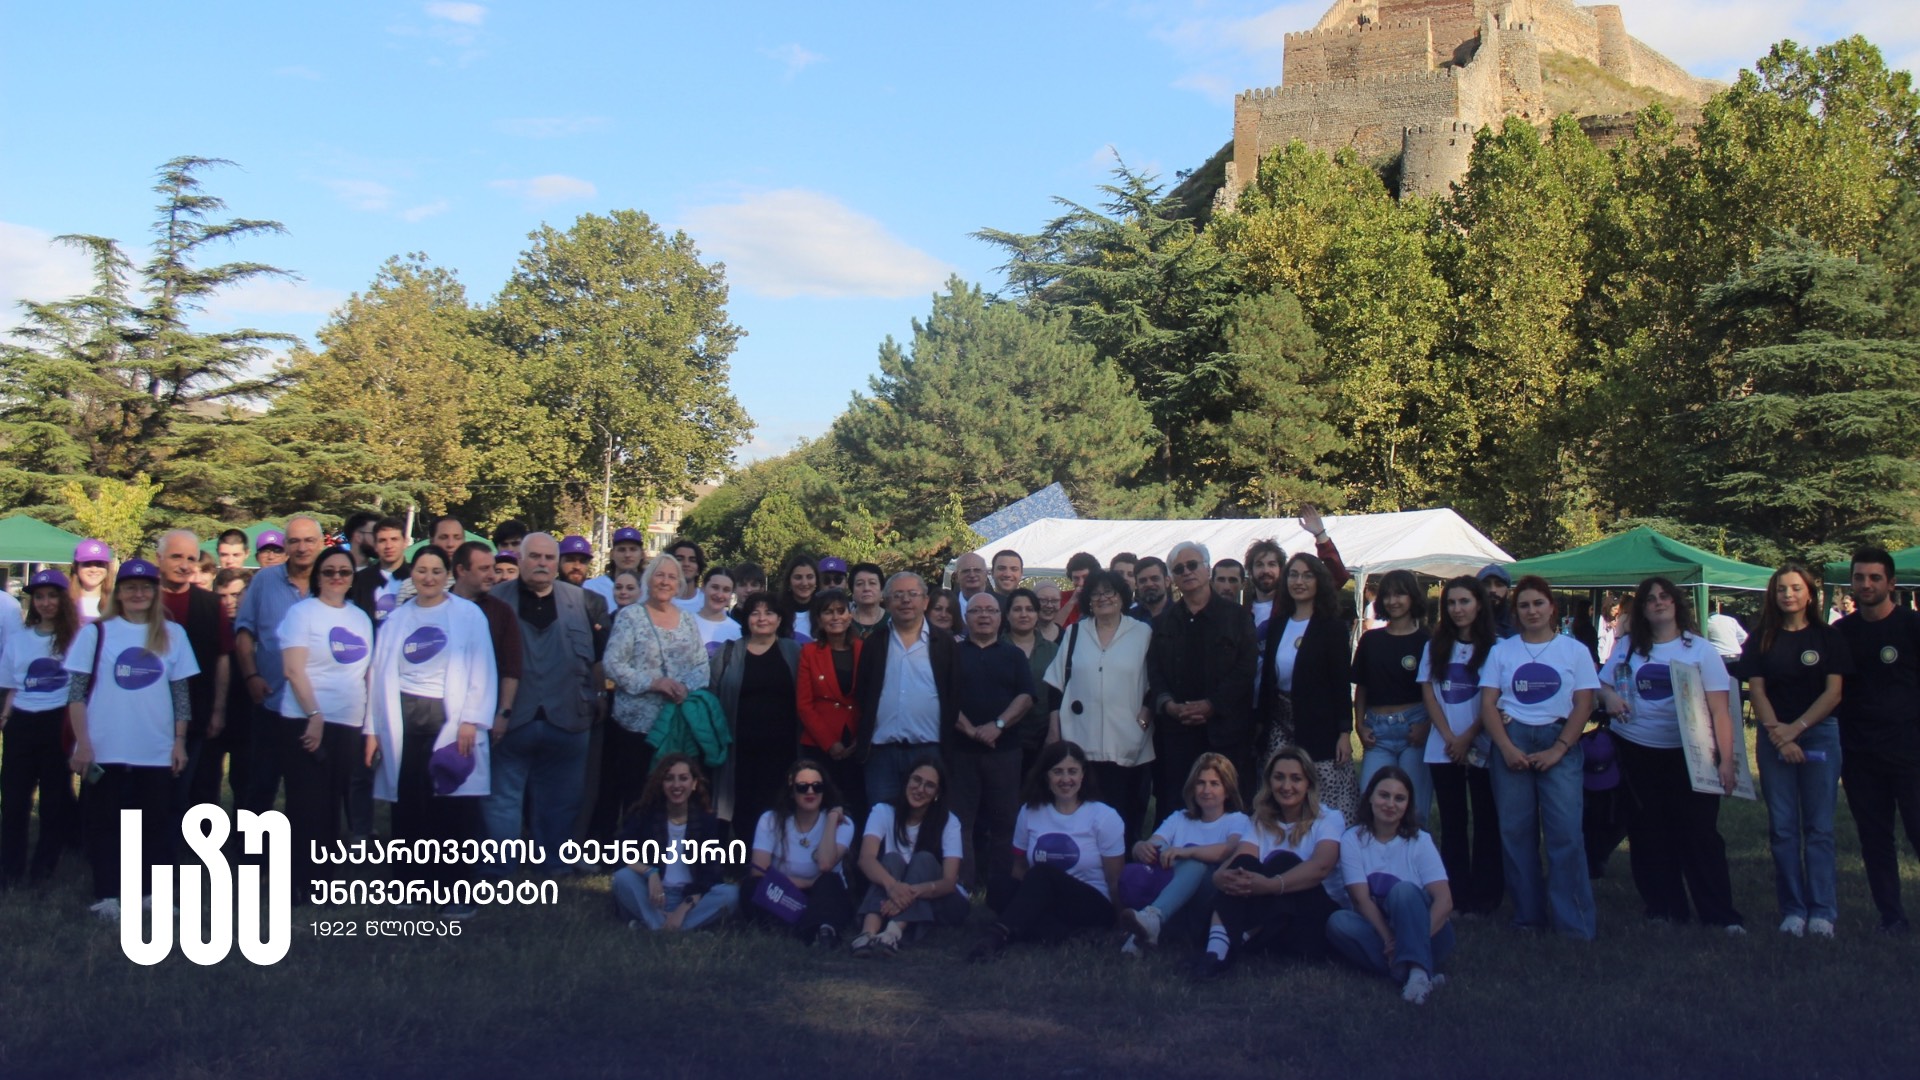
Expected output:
(1435, 542)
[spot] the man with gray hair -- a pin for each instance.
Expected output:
(543, 753)
(211, 637)
(969, 580)
(1199, 677)
(256, 645)
(905, 685)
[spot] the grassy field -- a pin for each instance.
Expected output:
(571, 988)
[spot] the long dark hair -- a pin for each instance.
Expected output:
(1326, 599)
(784, 587)
(1037, 792)
(1770, 614)
(65, 623)
(1640, 629)
(823, 599)
(934, 823)
(313, 572)
(1409, 826)
(654, 796)
(1480, 632)
(785, 807)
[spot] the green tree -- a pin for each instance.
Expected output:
(1278, 440)
(624, 338)
(777, 529)
(990, 402)
(807, 474)
(113, 511)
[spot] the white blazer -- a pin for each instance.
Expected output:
(473, 688)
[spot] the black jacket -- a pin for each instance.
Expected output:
(869, 680)
(1322, 695)
(702, 826)
(367, 583)
(203, 635)
(1226, 650)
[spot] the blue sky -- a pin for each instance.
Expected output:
(835, 156)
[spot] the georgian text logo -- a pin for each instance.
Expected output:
(212, 897)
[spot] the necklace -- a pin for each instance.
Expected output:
(1532, 652)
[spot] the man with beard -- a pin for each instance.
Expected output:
(1149, 589)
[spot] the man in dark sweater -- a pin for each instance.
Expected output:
(1199, 676)
(1880, 728)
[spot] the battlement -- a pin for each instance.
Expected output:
(1278, 93)
(1451, 127)
(1340, 32)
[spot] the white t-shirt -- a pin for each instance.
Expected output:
(130, 719)
(793, 856)
(1180, 831)
(691, 604)
(1330, 825)
(1654, 720)
(1726, 633)
(677, 872)
(1073, 842)
(339, 644)
(1362, 855)
(803, 626)
(424, 656)
(36, 676)
(880, 824)
(1288, 653)
(90, 609)
(1537, 682)
(717, 633)
(1458, 694)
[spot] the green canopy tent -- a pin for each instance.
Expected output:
(26, 539)
(1906, 565)
(1624, 561)
(253, 532)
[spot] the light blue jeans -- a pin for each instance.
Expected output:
(1168, 890)
(1409, 914)
(1800, 805)
(630, 898)
(1536, 806)
(1393, 745)
(551, 765)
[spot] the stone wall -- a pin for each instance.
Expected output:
(1433, 157)
(1317, 56)
(1368, 114)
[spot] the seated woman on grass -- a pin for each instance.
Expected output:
(911, 857)
(794, 879)
(674, 892)
(1173, 868)
(1400, 925)
(1281, 886)
(1068, 849)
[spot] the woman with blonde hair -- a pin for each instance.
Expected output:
(1174, 867)
(655, 657)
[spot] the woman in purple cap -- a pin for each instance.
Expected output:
(326, 644)
(92, 563)
(431, 703)
(33, 668)
(127, 701)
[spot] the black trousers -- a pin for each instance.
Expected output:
(986, 797)
(1470, 836)
(759, 772)
(1126, 788)
(1294, 923)
(418, 813)
(317, 784)
(146, 788)
(1877, 793)
(263, 761)
(228, 752)
(849, 774)
(1048, 904)
(1673, 834)
(626, 760)
(34, 759)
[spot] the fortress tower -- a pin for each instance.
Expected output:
(1416, 79)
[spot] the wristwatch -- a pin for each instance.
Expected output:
(1000, 722)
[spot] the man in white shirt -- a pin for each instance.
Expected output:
(1726, 633)
(905, 686)
(628, 548)
(969, 579)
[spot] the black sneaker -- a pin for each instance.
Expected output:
(826, 937)
(1895, 927)
(988, 946)
(1208, 967)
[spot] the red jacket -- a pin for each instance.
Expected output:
(827, 716)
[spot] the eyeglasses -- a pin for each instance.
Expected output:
(909, 595)
(337, 572)
(1104, 598)
(811, 787)
(1187, 567)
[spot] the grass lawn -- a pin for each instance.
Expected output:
(570, 986)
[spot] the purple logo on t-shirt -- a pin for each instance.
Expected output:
(346, 645)
(1459, 686)
(383, 606)
(1535, 683)
(1653, 682)
(423, 644)
(44, 676)
(136, 669)
(1056, 848)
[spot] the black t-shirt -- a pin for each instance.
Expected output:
(1796, 668)
(1880, 710)
(1385, 666)
(769, 717)
(987, 680)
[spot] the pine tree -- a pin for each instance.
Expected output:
(1279, 439)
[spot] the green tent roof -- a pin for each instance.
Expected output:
(1623, 561)
(25, 539)
(1906, 565)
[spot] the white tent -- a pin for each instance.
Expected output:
(1435, 542)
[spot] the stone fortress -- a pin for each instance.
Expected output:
(1416, 79)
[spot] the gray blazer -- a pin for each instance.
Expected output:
(727, 668)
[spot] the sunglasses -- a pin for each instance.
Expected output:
(811, 787)
(1187, 567)
(337, 572)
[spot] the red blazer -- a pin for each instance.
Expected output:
(827, 716)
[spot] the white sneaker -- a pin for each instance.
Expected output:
(1131, 947)
(1419, 985)
(1145, 924)
(1735, 930)
(1819, 927)
(1795, 925)
(108, 910)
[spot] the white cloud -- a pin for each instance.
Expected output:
(464, 14)
(777, 436)
(425, 210)
(550, 188)
(272, 297)
(34, 267)
(802, 243)
(362, 194)
(795, 57)
(550, 127)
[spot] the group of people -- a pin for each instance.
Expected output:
(886, 748)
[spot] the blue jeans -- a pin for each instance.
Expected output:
(630, 899)
(551, 765)
(1536, 805)
(889, 764)
(1392, 745)
(1168, 891)
(1409, 914)
(1800, 803)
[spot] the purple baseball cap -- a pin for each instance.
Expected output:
(449, 768)
(92, 551)
(137, 570)
(49, 577)
(272, 538)
(1603, 765)
(833, 564)
(576, 545)
(507, 555)
(629, 535)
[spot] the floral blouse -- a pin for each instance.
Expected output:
(640, 652)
